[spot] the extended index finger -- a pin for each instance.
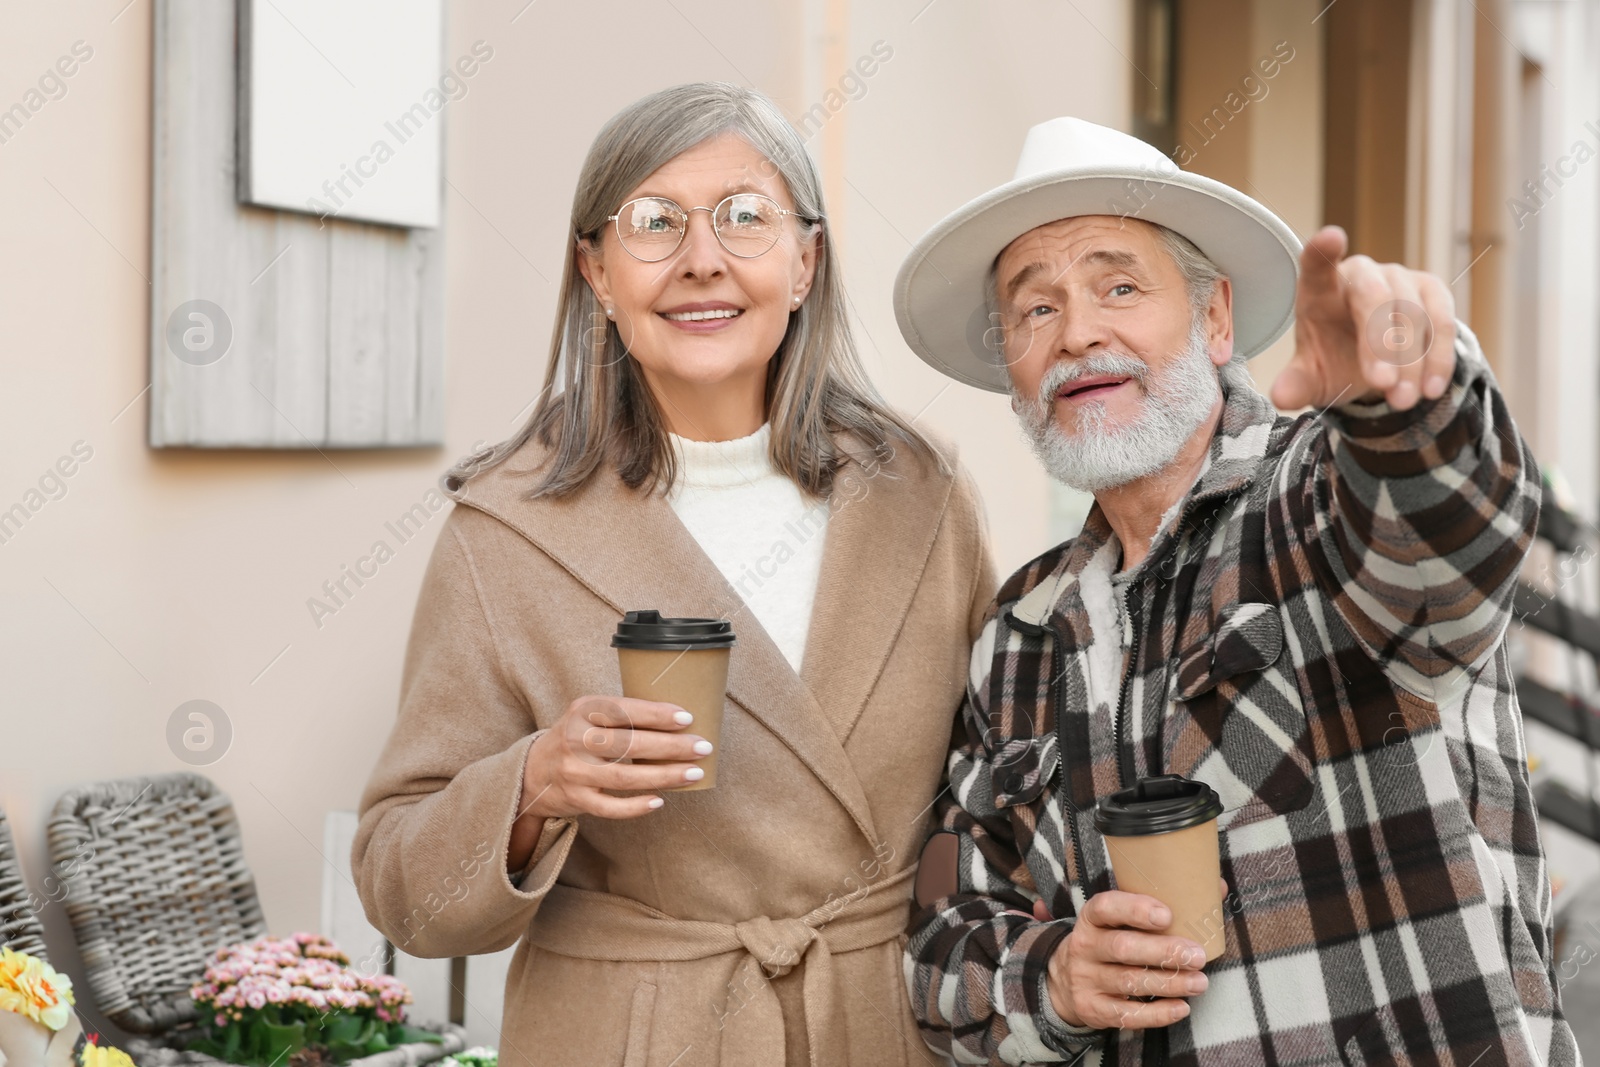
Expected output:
(1319, 261)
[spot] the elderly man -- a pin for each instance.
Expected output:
(1307, 614)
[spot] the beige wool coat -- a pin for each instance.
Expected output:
(757, 923)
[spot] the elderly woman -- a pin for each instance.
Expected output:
(708, 446)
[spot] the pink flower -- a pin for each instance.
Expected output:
(306, 971)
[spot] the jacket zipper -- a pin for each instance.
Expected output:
(1058, 660)
(1125, 767)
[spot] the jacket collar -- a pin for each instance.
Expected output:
(1238, 444)
(629, 549)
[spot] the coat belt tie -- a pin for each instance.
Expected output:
(776, 944)
(590, 925)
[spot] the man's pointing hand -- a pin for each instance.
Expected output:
(1365, 330)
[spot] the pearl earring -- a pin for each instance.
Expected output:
(610, 314)
(797, 301)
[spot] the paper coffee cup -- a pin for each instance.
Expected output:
(682, 662)
(1162, 836)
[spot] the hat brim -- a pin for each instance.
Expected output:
(940, 297)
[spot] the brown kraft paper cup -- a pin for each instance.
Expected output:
(1162, 836)
(682, 662)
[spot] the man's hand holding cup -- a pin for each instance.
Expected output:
(1116, 951)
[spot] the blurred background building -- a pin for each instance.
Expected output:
(1459, 136)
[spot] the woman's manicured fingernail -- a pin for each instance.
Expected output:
(1433, 388)
(1179, 1010)
(702, 748)
(1405, 395)
(656, 802)
(1198, 983)
(682, 718)
(1160, 915)
(694, 774)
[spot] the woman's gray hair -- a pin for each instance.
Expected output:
(597, 408)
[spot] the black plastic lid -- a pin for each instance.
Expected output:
(1157, 805)
(647, 629)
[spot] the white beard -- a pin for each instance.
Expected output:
(1177, 402)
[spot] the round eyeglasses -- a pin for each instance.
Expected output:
(652, 227)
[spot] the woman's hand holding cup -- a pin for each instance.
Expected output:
(590, 749)
(631, 744)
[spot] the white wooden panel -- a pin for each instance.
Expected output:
(486, 994)
(358, 276)
(317, 309)
(401, 357)
(291, 363)
(429, 982)
(337, 102)
(343, 918)
(428, 414)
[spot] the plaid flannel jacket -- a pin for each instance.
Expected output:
(1319, 635)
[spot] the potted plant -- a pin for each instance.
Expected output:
(297, 1000)
(38, 1027)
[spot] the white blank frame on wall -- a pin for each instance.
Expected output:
(338, 108)
(274, 329)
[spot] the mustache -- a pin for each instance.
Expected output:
(1060, 375)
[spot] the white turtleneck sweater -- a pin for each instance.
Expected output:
(757, 527)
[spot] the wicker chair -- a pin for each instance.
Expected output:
(20, 929)
(157, 881)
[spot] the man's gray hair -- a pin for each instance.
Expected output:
(1200, 275)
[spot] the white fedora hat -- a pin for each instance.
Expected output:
(1070, 167)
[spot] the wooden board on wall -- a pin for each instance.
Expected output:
(270, 329)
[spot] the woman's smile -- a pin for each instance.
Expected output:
(708, 316)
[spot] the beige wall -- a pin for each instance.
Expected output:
(1270, 147)
(165, 577)
(944, 122)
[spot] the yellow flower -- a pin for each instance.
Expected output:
(32, 988)
(96, 1056)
